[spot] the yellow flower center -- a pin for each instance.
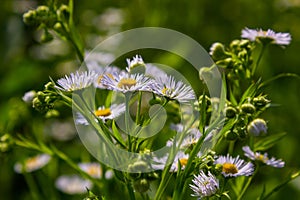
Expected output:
(102, 75)
(229, 168)
(166, 90)
(103, 112)
(183, 161)
(93, 170)
(127, 82)
(262, 158)
(31, 162)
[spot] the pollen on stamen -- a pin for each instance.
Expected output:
(183, 161)
(229, 168)
(127, 82)
(103, 112)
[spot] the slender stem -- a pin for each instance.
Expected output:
(127, 117)
(130, 191)
(258, 59)
(138, 112)
(231, 147)
(32, 186)
(245, 187)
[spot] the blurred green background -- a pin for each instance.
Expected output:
(26, 64)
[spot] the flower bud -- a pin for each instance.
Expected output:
(248, 108)
(6, 143)
(58, 28)
(205, 73)
(29, 17)
(260, 101)
(217, 51)
(257, 127)
(50, 86)
(231, 135)
(63, 12)
(29, 96)
(138, 166)
(52, 113)
(230, 112)
(234, 44)
(141, 185)
(42, 13)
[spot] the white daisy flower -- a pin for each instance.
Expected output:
(76, 81)
(110, 71)
(172, 89)
(32, 164)
(263, 158)
(276, 38)
(93, 169)
(160, 163)
(135, 62)
(232, 167)
(114, 111)
(128, 83)
(72, 184)
(204, 185)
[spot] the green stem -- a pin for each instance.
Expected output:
(245, 187)
(32, 186)
(292, 177)
(130, 191)
(231, 147)
(127, 117)
(258, 59)
(138, 112)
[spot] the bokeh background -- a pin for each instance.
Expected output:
(26, 64)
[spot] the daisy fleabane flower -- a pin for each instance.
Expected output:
(128, 83)
(232, 167)
(170, 88)
(204, 185)
(275, 38)
(180, 158)
(76, 81)
(33, 163)
(135, 62)
(263, 158)
(72, 184)
(104, 113)
(92, 169)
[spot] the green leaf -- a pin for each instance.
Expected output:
(117, 134)
(268, 142)
(251, 91)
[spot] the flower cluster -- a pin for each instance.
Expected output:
(202, 152)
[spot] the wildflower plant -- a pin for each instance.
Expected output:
(160, 138)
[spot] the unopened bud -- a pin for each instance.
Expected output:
(217, 51)
(29, 17)
(260, 101)
(257, 127)
(42, 12)
(205, 73)
(138, 166)
(248, 108)
(29, 96)
(230, 112)
(6, 143)
(63, 12)
(141, 185)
